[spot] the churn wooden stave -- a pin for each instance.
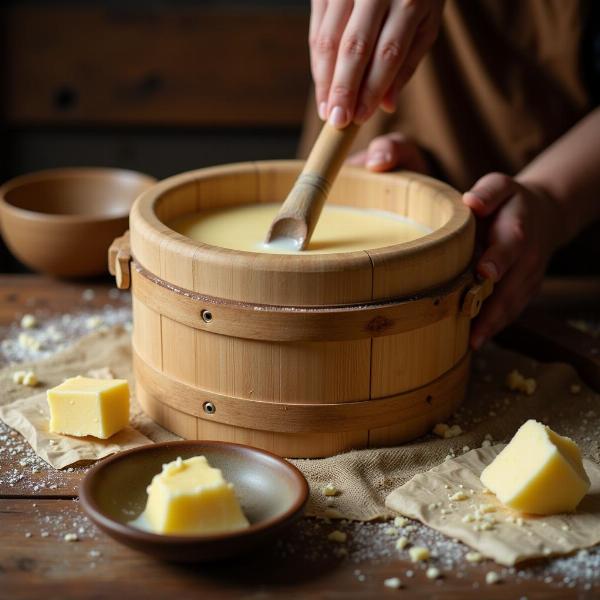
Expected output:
(301, 355)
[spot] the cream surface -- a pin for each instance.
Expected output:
(340, 229)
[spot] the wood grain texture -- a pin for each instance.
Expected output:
(223, 273)
(301, 417)
(300, 211)
(306, 280)
(274, 323)
(48, 567)
(310, 372)
(133, 65)
(62, 221)
(285, 347)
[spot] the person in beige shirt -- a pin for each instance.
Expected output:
(498, 107)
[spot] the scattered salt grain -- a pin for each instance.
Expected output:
(28, 342)
(337, 536)
(433, 573)
(71, 537)
(28, 322)
(491, 577)
(393, 582)
(94, 322)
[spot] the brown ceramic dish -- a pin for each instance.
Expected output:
(62, 221)
(272, 493)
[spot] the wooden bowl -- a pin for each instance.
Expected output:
(272, 493)
(62, 221)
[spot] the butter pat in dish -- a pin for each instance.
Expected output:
(83, 406)
(189, 497)
(538, 472)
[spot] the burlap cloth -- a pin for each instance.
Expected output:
(364, 478)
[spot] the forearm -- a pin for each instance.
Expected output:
(568, 172)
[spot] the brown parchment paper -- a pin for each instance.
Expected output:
(30, 417)
(103, 355)
(508, 542)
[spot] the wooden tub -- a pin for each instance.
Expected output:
(307, 355)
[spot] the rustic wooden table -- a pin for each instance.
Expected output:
(36, 562)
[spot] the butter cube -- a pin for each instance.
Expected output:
(539, 472)
(189, 497)
(84, 406)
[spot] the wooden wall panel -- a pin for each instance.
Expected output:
(173, 65)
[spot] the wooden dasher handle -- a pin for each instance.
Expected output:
(299, 214)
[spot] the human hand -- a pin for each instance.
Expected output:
(521, 227)
(391, 151)
(363, 52)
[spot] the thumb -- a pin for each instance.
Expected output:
(358, 159)
(394, 150)
(489, 193)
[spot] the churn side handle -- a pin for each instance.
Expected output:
(475, 296)
(119, 261)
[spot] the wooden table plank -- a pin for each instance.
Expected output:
(33, 478)
(92, 566)
(20, 294)
(304, 565)
(547, 338)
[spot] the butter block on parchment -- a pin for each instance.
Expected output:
(509, 536)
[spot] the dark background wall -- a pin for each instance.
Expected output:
(156, 86)
(160, 87)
